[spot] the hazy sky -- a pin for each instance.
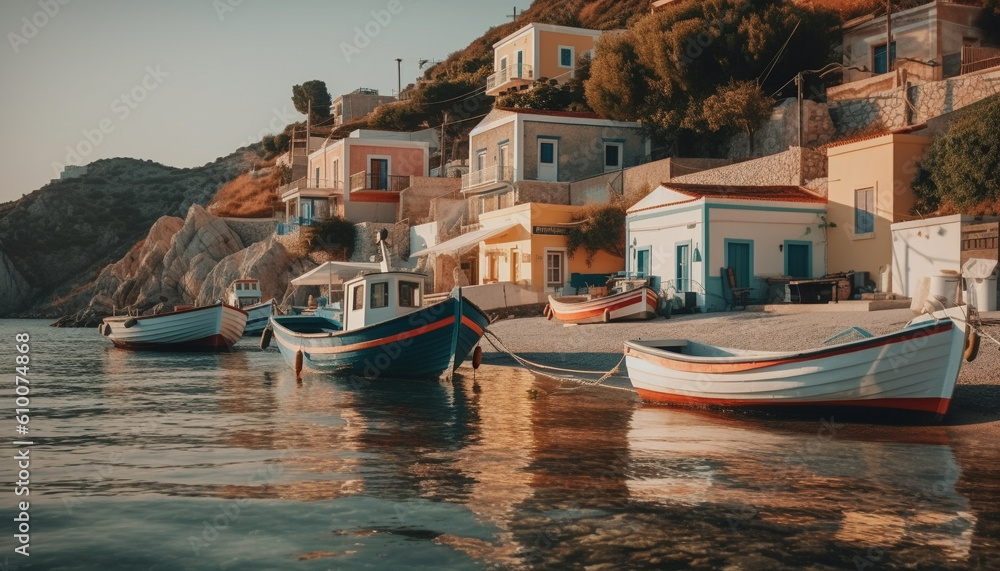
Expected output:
(183, 82)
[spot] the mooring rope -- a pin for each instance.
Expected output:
(497, 344)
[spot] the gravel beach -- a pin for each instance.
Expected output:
(598, 347)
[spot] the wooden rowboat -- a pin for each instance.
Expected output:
(215, 327)
(913, 369)
(638, 303)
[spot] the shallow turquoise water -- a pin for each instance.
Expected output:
(201, 461)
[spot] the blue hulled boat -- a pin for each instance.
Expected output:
(384, 331)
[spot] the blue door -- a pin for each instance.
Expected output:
(738, 258)
(798, 260)
(642, 263)
(683, 274)
(379, 174)
(520, 64)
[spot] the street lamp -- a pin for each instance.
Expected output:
(399, 77)
(825, 70)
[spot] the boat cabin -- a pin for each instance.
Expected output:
(244, 292)
(376, 297)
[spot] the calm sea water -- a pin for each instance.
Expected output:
(189, 461)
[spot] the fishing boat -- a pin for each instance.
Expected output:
(384, 332)
(636, 303)
(215, 327)
(245, 294)
(914, 369)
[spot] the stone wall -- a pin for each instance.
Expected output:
(903, 106)
(415, 201)
(538, 191)
(792, 167)
(252, 230)
(781, 131)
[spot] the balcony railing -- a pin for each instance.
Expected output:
(976, 58)
(489, 175)
(378, 181)
(308, 182)
(497, 80)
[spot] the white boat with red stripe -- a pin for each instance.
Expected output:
(215, 327)
(914, 369)
(638, 303)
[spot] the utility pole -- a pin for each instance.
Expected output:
(309, 112)
(514, 17)
(888, 36)
(443, 123)
(798, 99)
(399, 77)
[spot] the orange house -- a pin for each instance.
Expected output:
(358, 177)
(538, 51)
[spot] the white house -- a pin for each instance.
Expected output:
(682, 235)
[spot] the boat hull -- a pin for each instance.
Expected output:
(639, 303)
(914, 369)
(258, 316)
(429, 343)
(210, 328)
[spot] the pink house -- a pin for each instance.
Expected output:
(358, 177)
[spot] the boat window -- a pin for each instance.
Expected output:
(409, 294)
(359, 296)
(380, 294)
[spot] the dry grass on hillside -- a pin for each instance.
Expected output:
(249, 195)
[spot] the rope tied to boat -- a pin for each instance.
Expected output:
(541, 369)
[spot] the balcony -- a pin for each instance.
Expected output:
(490, 176)
(976, 58)
(310, 187)
(509, 78)
(379, 181)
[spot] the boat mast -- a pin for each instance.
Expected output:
(381, 237)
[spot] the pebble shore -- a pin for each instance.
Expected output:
(598, 347)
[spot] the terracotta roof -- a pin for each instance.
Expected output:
(576, 114)
(771, 193)
(860, 138)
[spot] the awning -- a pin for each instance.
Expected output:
(464, 241)
(334, 273)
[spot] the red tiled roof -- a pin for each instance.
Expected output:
(576, 114)
(860, 138)
(772, 193)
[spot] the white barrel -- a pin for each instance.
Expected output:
(983, 291)
(944, 285)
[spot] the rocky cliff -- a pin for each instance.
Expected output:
(61, 235)
(187, 261)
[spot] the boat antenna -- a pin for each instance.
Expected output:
(380, 240)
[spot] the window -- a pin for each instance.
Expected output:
(554, 262)
(683, 270)
(317, 177)
(612, 156)
(864, 211)
(358, 293)
(481, 159)
(380, 294)
(879, 63)
(565, 56)
(409, 294)
(547, 152)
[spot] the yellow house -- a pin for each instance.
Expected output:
(526, 245)
(869, 190)
(538, 51)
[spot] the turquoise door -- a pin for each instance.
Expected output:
(683, 274)
(798, 260)
(642, 263)
(738, 258)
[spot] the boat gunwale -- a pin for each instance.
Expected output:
(124, 318)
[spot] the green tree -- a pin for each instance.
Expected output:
(660, 71)
(312, 91)
(332, 234)
(960, 171)
(738, 105)
(989, 22)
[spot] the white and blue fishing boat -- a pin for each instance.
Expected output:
(384, 333)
